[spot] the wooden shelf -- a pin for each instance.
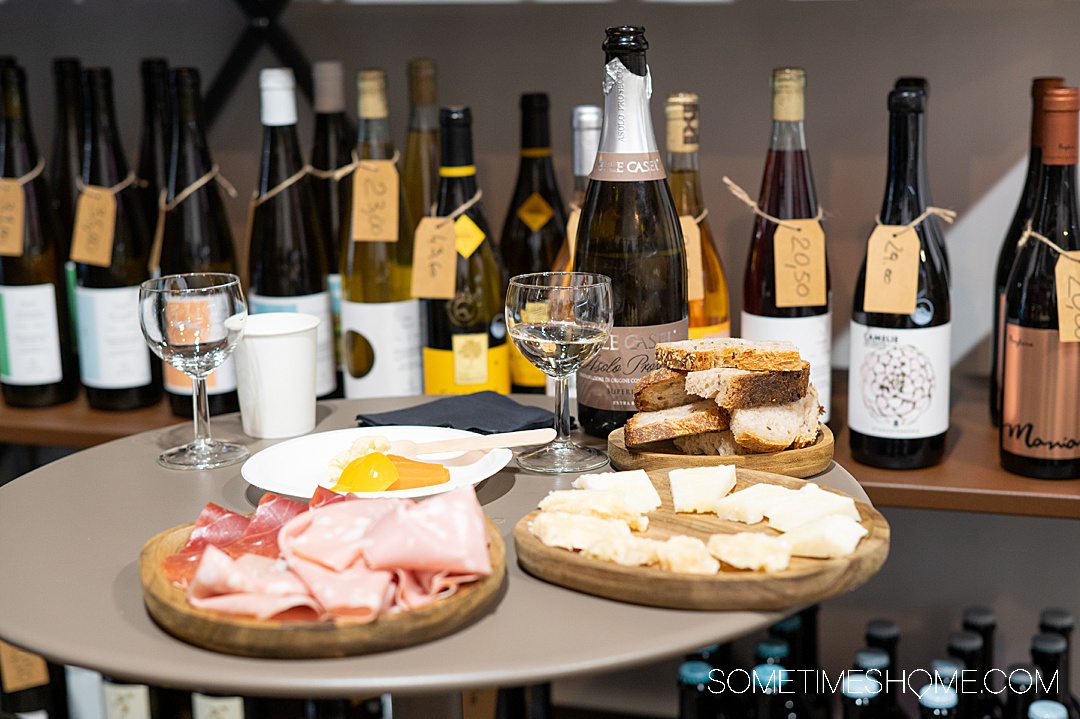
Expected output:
(75, 424)
(970, 479)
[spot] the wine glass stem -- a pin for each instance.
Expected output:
(562, 410)
(200, 411)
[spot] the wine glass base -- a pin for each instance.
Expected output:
(209, 454)
(562, 457)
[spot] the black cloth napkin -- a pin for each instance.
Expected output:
(481, 412)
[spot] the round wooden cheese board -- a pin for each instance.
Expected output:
(805, 462)
(168, 606)
(805, 581)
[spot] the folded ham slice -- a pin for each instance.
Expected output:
(216, 526)
(252, 586)
(261, 534)
(334, 535)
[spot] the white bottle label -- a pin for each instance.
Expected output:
(391, 333)
(207, 707)
(812, 335)
(39, 714)
(318, 305)
(126, 701)
(84, 693)
(333, 286)
(29, 335)
(112, 350)
(898, 383)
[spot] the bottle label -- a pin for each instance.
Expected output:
(112, 350)
(21, 670)
(1041, 384)
(898, 386)
(84, 693)
(382, 348)
(219, 381)
(706, 331)
(207, 707)
(444, 368)
(333, 286)
(682, 122)
(468, 236)
(207, 319)
(29, 335)
(126, 701)
(39, 714)
(317, 304)
(607, 381)
(535, 212)
(812, 335)
(627, 151)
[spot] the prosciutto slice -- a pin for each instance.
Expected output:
(217, 527)
(252, 585)
(261, 534)
(324, 496)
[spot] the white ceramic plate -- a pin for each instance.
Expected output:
(297, 466)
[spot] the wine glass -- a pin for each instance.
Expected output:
(193, 322)
(559, 321)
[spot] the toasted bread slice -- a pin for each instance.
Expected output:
(645, 427)
(710, 443)
(696, 355)
(739, 388)
(662, 389)
(771, 429)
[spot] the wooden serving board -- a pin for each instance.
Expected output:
(805, 581)
(169, 607)
(805, 462)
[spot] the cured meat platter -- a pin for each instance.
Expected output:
(801, 463)
(804, 581)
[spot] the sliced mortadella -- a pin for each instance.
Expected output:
(334, 535)
(249, 586)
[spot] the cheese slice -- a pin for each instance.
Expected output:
(751, 550)
(606, 504)
(634, 485)
(576, 531)
(809, 503)
(699, 489)
(687, 555)
(628, 551)
(827, 537)
(749, 505)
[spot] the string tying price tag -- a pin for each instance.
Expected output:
(165, 207)
(95, 221)
(375, 209)
(1066, 283)
(892, 264)
(435, 253)
(695, 272)
(13, 210)
(257, 199)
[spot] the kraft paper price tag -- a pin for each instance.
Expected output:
(479, 704)
(434, 271)
(12, 216)
(695, 273)
(375, 202)
(1067, 279)
(571, 234)
(21, 670)
(799, 252)
(95, 222)
(892, 270)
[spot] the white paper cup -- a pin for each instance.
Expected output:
(275, 374)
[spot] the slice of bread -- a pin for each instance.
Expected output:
(645, 427)
(661, 389)
(710, 443)
(739, 388)
(696, 355)
(771, 429)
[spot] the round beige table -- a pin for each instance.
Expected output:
(70, 535)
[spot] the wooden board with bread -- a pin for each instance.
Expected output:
(720, 399)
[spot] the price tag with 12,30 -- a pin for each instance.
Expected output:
(375, 202)
(892, 270)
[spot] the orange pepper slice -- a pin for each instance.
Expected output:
(414, 475)
(371, 473)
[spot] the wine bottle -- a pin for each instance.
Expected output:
(937, 701)
(1040, 428)
(1061, 622)
(787, 193)
(535, 226)
(1020, 692)
(774, 694)
(465, 346)
(37, 365)
(585, 124)
(153, 165)
(695, 699)
(286, 261)
(195, 231)
(898, 388)
(25, 688)
(128, 701)
(629, 231)
(331, 149)
(1049, 653)
(421, 169)
(983, 621)
(65, 165)
(1007, 254)
(861, 696)
(115, 363)
(708, 294)
(380, 321)
(968, 648)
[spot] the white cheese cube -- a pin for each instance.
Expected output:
(634, 485)
(628, 551)
(751, 550)
(749, 505)
(595, 502)
(827, 537)
(699, 489)
(575, 531)
(808, 504)
(687, 555)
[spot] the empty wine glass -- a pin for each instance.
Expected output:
(193, 322)
(559, 321)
